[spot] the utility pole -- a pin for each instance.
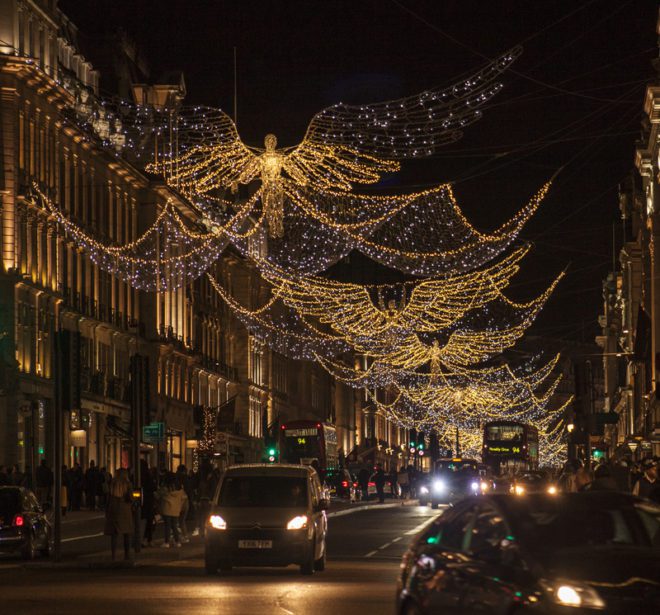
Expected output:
(59, 369)
(138, 384)
(589, 411)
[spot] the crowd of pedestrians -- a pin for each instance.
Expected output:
(637, 477)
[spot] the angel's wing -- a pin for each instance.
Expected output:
(203, 151)
(435, 304)
(329, 301)
(414, 126)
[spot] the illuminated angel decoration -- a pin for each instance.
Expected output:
(344, 144)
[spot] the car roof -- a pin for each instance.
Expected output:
(270, 469)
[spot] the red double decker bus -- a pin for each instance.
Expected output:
(308, 442)
(510, 446)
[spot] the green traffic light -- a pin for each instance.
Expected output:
(421, 446)
(271, 452)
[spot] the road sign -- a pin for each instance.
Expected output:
(153, 433)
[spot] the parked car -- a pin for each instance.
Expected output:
(267, 515)
(341, 484)
(24, 527)
(541, 553)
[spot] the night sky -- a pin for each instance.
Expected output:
(573, 100)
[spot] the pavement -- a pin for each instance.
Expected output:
(364, 545)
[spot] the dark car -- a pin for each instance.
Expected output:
(341, 484)
(539, 553)
(24, 527)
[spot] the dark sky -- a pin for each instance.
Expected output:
(573, 100)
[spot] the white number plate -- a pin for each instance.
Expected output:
(255, 544)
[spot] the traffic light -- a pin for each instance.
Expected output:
(413, 440)
(271, 454)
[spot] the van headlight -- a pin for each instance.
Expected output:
(297, 523)
(217, 522)
(439, 486)
(574, 594)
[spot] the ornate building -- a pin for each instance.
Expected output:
(631, 316)
(198, 355)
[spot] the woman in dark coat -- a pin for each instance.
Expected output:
(119, 513)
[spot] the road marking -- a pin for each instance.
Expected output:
(372, 553)
(397, 539)
(387, 544)
(421, 526)
(350, 511)
(82, 537)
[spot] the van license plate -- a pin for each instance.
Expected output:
(255, 544)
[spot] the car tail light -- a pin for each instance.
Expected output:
(355, 484)
(372, 484)
(344, 483)
(19, 521)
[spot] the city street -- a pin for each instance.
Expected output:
(364, 551)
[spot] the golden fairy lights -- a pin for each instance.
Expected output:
(203, 154)
(430, 350)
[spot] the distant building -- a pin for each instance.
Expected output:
(631, 314)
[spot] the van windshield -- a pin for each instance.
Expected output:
(263, 491)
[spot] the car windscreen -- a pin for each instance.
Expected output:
(10, 505)
(554, 523)
(263, 491)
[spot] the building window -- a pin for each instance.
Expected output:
(256, 362)
(255, 425)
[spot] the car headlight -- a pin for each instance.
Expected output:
(484, 485)
(574, 594)
(518, 489)
(423, 490)
(474, 485)
(217, 522)
(439, 486)
(297, 523)
(552, 490)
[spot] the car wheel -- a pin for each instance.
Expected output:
(307, 566)
(210, 564)
(319, 564)
(29, 551)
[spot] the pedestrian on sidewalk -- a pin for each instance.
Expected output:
(45, 482)
(186, 484)
(148, 512)
(379, 479)
(64, 492)
(91, 485)
(171, 498)
(119, 513)
(363, 480)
